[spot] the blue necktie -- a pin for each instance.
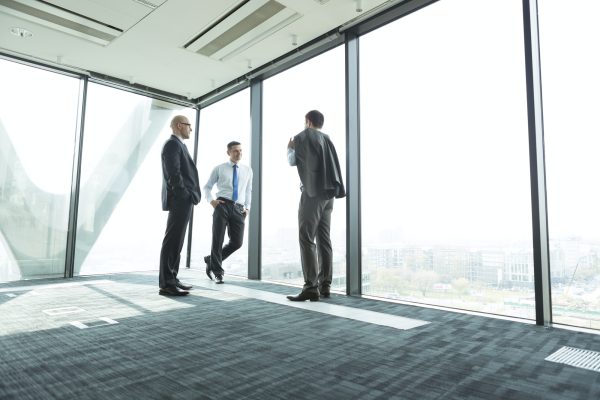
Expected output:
(234, 196)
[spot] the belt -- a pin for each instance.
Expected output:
(236, 206)
(229, 201)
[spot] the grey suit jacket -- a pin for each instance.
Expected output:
(318, 165)
(180, 176)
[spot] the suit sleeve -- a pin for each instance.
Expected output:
(172, 161)
(334, 170)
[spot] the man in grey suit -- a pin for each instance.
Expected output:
(180, 192)
(314, 155)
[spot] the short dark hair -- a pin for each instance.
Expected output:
(316, 118)
(231, 144)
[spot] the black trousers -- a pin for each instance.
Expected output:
(170, 253)
(226, 216)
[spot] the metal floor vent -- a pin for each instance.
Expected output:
(575, 357)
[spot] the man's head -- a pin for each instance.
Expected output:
(181, 126)
(314, 119)
(234, 151)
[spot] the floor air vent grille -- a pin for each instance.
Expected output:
(575, 357)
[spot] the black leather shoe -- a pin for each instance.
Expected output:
(324, 292)
(219, 278)
(172, 291)
(183, 286)
(208, 271)
(305, 295)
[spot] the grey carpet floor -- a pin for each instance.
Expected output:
(214, 345)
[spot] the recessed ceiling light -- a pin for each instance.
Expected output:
(20, 32)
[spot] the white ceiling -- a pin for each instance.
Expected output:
(146, 44)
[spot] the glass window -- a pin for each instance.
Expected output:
(446, 214)
(315, 84)
(121, 224)
(220, 123)
(571, 84)
(38, 117)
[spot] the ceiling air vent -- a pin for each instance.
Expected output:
(146, 3)
(60, 19)
(244, 27)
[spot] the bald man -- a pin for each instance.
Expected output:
(180, 192)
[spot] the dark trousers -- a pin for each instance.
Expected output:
(230, 216)
(170, 253)
(314, 224)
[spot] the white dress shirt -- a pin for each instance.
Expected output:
(291, 156)
(222, 175)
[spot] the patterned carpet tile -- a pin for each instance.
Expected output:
(213, 346)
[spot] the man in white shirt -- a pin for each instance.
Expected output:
(232, 205)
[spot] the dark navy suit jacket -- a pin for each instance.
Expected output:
(180, 176)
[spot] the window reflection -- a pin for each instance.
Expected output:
(120, 221)
(36, 156)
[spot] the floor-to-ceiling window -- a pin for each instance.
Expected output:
(38, 118)
(446, 214)
(223, 122)
(121, 224)
(315, 84)
(570, 61)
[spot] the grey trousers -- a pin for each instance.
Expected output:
(314, 223)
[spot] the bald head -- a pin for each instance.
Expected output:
(180, 125)
(178, 119)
